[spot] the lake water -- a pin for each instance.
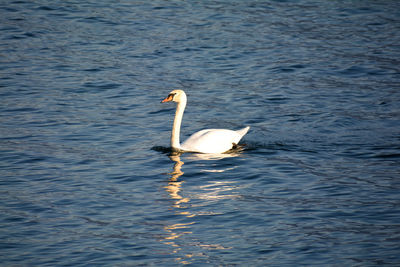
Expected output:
(87, 179)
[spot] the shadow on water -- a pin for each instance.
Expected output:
(249, 147)
(234, 152)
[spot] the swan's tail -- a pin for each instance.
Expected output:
(243, 131)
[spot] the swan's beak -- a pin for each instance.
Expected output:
(168, 98)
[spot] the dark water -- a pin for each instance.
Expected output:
(85, 178)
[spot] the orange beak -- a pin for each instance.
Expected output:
(168, 98)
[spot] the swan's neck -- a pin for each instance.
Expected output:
(176, 128)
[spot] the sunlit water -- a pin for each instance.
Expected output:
(86, 177)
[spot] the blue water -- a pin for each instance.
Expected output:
(87, 179)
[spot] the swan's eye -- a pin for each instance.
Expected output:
(169, 98)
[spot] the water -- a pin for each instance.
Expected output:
(86, 176)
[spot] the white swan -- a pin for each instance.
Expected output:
(204, 141)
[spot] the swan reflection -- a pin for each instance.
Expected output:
(204, 156)
(179, 234)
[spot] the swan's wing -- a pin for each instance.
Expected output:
(243, 131)
(213, 140)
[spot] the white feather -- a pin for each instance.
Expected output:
(204, 141)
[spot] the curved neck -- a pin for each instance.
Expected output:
(176, 128)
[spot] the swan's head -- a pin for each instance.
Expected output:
(175, 96)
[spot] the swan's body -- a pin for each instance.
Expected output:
(204, 141)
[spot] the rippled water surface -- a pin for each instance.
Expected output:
(85, 172)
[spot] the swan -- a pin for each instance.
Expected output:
(210, 141)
